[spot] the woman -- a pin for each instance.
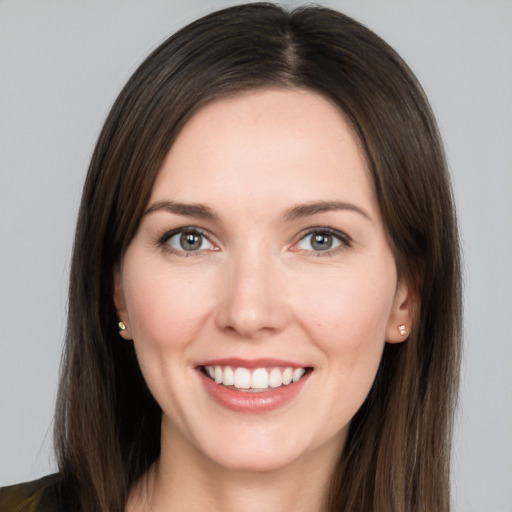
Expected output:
(264, 306)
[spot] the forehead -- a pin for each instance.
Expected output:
(294, 143)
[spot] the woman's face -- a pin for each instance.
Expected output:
(260, 287)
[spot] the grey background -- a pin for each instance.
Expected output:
(62, 64)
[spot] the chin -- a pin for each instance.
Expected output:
(262, 450)
(254, 461)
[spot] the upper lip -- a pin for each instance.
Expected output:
(251, 363)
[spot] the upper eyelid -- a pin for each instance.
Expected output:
(162, 242)
(344, 239)
(171, 232)
(192, 229)
(324, 229)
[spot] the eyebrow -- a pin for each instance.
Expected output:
(188, 209)
(296, 212)
(306, 210)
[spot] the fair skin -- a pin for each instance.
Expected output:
(284, 263)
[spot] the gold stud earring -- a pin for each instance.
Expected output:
(122, 326)
(401, 329)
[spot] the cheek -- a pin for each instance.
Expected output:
(350, 303)
(347, 314)
(165, 308)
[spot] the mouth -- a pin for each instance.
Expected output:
(254, 380)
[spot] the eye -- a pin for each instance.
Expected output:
(322, 240)
(188, 240)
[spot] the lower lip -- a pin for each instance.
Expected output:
(255, 402)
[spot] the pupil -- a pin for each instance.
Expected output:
(321, 242)
(190, 241)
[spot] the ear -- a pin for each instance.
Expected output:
(402, 314)
(120, 304)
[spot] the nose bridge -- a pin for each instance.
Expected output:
(252, 302)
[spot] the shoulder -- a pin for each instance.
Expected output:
(43, 495)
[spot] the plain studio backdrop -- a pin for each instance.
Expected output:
(62, 64)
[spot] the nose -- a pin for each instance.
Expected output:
(252, 300)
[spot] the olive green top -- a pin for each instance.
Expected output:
(43, 495)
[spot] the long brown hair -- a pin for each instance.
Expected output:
(107, 423)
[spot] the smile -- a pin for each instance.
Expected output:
(254, 380)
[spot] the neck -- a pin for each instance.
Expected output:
(183, 479)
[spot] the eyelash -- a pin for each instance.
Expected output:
(344, 241)
(192, 230)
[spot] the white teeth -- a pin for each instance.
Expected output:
(242, 378)
(229, 377)
(259, 379)
(275, 379)
(287, 376)
(298, 373)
